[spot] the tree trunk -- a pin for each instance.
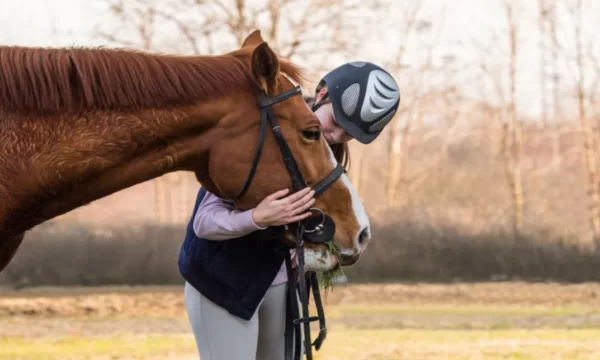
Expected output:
(184, 198)
(160, 203)
(394, 164)
(542, 25)
(512, 133)
(398, 147)
(357, 171)
(588, 136)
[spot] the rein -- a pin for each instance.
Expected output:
(319, 231)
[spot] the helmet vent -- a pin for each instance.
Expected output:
(381, 95)
(350, 98)
(358, 64)
(381, 123)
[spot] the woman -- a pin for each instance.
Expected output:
(235, 291)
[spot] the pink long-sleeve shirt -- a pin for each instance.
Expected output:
(217, 219)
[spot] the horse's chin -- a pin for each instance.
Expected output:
(317, 257)
(319, 260)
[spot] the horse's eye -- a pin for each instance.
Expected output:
(311, 134)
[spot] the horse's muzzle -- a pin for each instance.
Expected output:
(347, 260)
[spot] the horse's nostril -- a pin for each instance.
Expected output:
(364, 236)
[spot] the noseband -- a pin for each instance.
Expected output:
(318, 229)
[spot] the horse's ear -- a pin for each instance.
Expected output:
(265, 66)
(253, 39)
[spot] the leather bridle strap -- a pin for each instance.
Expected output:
(297, 278)
(298, 182)
(265, 103)
(325, 183)
(293, 318)
(265, 110)
(292, 312)
(314, 284)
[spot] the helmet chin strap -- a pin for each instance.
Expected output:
(321, 98)
(324, 101)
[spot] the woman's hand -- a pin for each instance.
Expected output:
(276, 209)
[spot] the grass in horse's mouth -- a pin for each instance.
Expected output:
(327, 278)
(333, 248)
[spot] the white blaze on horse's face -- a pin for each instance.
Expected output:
(323, 260)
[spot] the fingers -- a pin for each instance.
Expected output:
(297, 196)
(283, 209)
(301, 205)
(296, 218)
(277, 195)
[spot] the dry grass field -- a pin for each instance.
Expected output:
(389, 321)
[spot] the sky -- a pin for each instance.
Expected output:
(45, 22)
(69, 22)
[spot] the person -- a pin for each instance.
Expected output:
(235, 276)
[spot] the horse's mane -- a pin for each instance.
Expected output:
(74, 79)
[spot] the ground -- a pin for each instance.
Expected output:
(389, 321)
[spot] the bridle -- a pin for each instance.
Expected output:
(319, 229)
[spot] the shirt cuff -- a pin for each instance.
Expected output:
(248, 222)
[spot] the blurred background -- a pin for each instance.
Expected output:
(484, 192)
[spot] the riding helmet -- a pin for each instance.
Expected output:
(364, 98)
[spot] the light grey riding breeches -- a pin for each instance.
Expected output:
(222, 336)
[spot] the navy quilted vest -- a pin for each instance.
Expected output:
(235, 273)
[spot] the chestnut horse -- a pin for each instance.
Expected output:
(79, 124)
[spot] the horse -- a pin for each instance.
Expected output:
(78, 124)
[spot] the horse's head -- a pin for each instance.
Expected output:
(231, 156)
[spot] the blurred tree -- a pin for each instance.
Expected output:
(576, 10)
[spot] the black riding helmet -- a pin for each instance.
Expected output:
(364, 98)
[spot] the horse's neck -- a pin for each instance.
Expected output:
(55, 166)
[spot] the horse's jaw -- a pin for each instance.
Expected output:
(317, 257)
(319, 260)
